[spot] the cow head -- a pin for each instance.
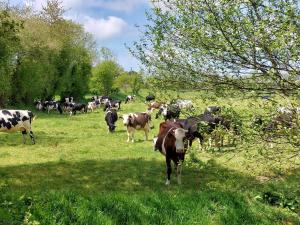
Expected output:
(127, 119)
(180, 136)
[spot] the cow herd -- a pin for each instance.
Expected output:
(175, 135)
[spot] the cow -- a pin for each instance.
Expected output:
(171, 111)
(78, 107)
(91, 106)
(155, 105)
(111, 117)
(116, 104)
(170, 141)
(69, 99)
(17, 120)
(136, 121)
(53, 105)
(67, 106)
(183, 104)
(150, 98)
(191, 124)
(129, 98)
(105, 99)
(212, 110)
(48, 106)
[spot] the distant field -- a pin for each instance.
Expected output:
(77, 173)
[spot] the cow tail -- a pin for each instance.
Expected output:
(31, 116)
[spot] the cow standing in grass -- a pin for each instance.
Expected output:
(17, 120)
(171, 143)
(111, 117)
(136, 121)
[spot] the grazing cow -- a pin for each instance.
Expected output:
(91, 106)
(150, 98)
(116, 104)
(69, 99)
(48, 106)
(105, 99)
(95, 97)
(53, 105)
(171, 111)
(78, 107)
(171, 143)
(68, 106)
(129, 98)
(111, 117)
(136, 121)
(155, 105)
(17, 120)
(39, 105)
(212, 110)
(183, 104)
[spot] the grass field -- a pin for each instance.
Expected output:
(77, 173)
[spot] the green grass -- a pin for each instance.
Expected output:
(77, 173)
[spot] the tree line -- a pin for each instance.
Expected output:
(43, 55)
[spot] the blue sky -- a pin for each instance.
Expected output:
(112, 22)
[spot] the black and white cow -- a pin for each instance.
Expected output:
(183, 103)
(111, 117)
(171, 111)
(91, 106)
(112, 104)
(150, 98)
(78, 107)
(48, 106)
(53, 105)
(17, 120)
(129, 98)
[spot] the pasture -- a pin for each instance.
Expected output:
(78, 173)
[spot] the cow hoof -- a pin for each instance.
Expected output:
(168, 182)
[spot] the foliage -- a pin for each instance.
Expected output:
(9, 43)
(52, 56)
(104, 75)
(240, 45)
(129, 81)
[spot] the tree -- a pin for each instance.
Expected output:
(103, 76)
(240, 45)
(9, 43)
(129, 81)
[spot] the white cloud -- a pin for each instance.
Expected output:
(104, 28)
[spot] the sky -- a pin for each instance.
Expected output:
(112, 22)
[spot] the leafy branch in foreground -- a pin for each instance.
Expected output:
(240, 45)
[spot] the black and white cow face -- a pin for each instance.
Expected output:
(16, 120)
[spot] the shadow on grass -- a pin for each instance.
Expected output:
(125, 175)
(132, 191)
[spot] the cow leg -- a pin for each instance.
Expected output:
(146, 134)
(169, 170)
(128, 135)
(32, 137)
(132, 136)
(178, 171)
(24, 133)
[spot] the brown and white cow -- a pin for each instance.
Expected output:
(136, 121)
(171, 143)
